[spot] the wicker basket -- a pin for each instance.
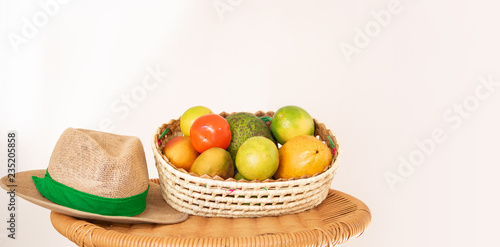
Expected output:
(216, 197)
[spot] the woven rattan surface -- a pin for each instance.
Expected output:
(337, 219)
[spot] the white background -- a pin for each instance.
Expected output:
(84, 58)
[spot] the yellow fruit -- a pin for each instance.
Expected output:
(213, 162)
(180, 152)
(190, 115)
(303, 155)
(257, 158)
(291, 121)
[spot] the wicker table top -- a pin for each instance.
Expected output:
(337, 219)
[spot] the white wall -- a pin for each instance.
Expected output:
(400, 85)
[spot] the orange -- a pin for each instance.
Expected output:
(257, 158)
(214, 162)
(291, 121)
(303, 155)
(180, 152)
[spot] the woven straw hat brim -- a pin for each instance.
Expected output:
(157, 210)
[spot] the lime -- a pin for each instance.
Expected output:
(291, 121)
(257, 158)
(238, 176)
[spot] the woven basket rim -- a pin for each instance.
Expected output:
(241, 184)
(231, 182)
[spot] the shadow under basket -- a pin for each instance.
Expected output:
(216, 197)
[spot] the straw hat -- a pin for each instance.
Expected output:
(96, 175)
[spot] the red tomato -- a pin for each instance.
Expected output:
(210, 131)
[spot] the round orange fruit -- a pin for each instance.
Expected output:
(302, 155)
(180, 152)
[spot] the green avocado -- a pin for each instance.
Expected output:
(244, 125)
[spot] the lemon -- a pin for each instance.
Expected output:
(257, 158)
(291, 121)
(191, 114)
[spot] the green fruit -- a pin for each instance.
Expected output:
(244, 125)
(291, 121)
(257, 158)
(238, 176)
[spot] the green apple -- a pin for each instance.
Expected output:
(190, 115)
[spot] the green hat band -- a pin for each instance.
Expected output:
(75, 199)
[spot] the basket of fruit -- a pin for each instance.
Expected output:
(245, 164)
